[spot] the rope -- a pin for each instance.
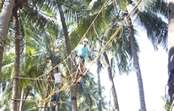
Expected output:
(103, 49)
(91, 25)
(111, 38)
(84, 35)
(63, 88)
(36, 79)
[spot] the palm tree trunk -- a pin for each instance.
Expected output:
(171, 50)
(68, 51)
(99, 85)
(136, 65)
(139, 79)
(22, 99)
(15, 87)
(114, 93)
(65, 30)
(6, 13)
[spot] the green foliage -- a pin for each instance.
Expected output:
(8, 64)
(88, 1)
(6, 96)
(167, 106)
(37, 18)
(41, 30)
(30, 106)
(88, 26)
(47, 11)
(123, 4)
(120, 45)
(1, 4)
(88, 97)
(8, 58)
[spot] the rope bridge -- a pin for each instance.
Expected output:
(66, 87)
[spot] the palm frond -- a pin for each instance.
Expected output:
(99, 26)
(88, 93)
(157, 6)
(37, 18)
(123, 4)
(122, 50)
(155, 26)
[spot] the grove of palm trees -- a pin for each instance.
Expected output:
(86, 55)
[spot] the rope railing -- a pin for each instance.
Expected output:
(37, 78)
(84, 35)
(91, 26)
(64, 88)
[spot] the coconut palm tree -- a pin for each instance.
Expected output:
(156, 33)
(5, 16)
(135, 58)
(136, 65)
(6, 13)
(68, 51)
(158, 30)
(112, 82)
(15, 90)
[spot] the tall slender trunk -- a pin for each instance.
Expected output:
(68, 51)
(15, 87)
(65, 31)
(99, 84)
(171, 50)
(5, 15)
(139, 80)
(114, 93)
(22, 99)
(136, 65)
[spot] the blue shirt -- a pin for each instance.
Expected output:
(83, 52)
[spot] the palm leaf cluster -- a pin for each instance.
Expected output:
(155, 12)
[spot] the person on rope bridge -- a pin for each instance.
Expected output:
(57, 84)
(83, 55)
